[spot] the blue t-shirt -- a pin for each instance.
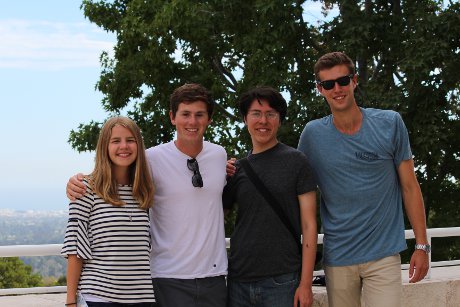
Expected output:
(361, 201)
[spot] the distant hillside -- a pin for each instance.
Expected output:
(35, 227)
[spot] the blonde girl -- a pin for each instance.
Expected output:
(107, 240)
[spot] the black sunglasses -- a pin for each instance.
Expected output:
(192, 165)
(342, 81)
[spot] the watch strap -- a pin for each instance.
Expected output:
(424, 247)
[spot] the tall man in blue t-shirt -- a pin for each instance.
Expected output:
(363, 165)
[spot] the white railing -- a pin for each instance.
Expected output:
(55, 249)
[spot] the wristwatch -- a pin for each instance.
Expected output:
(424, 247)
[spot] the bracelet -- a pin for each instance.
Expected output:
(70, 304)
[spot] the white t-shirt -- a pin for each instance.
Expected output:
(188, 238)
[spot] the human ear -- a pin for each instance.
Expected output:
(319, 88)
(355, 81)
(172, 118)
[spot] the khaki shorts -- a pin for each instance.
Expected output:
(375, 283)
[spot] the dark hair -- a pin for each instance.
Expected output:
(272, 96)
(332, 59)
(188, 93)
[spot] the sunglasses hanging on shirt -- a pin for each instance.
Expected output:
(197, 180)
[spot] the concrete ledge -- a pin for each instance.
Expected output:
(441, 290)
(320, 297)
(432, 294)
(34, 300)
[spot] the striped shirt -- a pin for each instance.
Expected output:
(114, 243)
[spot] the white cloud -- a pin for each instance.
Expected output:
(44, 45)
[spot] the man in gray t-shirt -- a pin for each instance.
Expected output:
(264, 255)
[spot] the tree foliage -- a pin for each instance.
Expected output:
(406, 53)
(228, 46)
(15, 274)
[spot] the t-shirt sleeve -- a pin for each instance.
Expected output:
(76, 239)
(303, 145)
(402, 150)
(305, 182)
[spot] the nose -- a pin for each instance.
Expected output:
(123, 144)
(194, 119)
(263, 118)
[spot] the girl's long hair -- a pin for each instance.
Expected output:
(102, 180)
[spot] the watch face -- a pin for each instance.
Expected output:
(425, 247)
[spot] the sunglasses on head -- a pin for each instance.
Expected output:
(329, 84)
(197, 180)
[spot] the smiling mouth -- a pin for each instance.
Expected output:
(263, 130)
(191, 129)
(123, 155)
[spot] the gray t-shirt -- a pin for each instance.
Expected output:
(361, 202)
(261, 246)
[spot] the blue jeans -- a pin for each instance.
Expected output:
(275, 291)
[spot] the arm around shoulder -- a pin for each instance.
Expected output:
(75, 187)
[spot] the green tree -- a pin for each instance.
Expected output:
(62, 281)
(228, 46)
(406, 53)
(15, 274)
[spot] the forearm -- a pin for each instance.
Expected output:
(74, 267)
(415, 210)
(413, 200)
(309, 246)
(307, 202)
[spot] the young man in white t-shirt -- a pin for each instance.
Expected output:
(188, 259)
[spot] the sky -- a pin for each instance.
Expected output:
(49, 66)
